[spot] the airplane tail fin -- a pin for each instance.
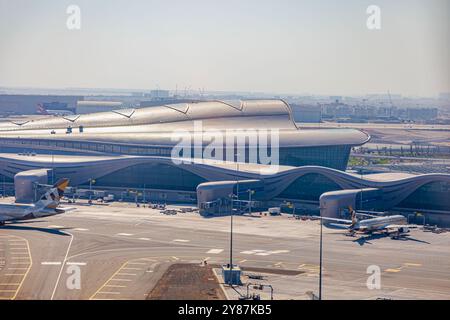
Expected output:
(53, 196)
(40, 109)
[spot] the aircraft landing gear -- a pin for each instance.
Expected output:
(2, 223)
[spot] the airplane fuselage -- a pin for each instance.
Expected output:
(379, 223)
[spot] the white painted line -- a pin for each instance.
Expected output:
(262, 254)
(215, 251)
(145, 239)
(80, 229)
(125, 234)
(49, 263)
(17, 268)
(76, 263)
(126, 274)
(140, 263)
(279, 251)
(131, 268)
(14, 274)
(114, 286)
(55, 227)
(175, 258)
(247, 252)
(181, 240)
(242, 261)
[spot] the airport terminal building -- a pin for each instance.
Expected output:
(133, 149)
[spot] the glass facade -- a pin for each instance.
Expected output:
(152, 176)
(309, 187)
(432, 196)
(335, 157)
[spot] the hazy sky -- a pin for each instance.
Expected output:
(317, 47)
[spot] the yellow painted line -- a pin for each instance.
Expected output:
(26, 273)
(19, 263)
(7, 290)
(392, 270)
(9, 284)
(17, 268)
(175, 258)
(413, 264)
(14, 274)
(115, 273)
(242, 261)
(102, 292)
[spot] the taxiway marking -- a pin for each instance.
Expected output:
(215, 251)
(62, 266)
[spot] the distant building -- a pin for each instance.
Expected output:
(28, 104)
(307, 113)
(422, 114)
(159, 94)
(84, 107)
(444, 96)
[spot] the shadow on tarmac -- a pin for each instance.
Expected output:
(54, 231)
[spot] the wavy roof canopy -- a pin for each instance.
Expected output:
(157, 125)
(267, 110)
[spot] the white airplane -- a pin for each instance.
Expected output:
(41, 110)
(396, 225)
(46, 206)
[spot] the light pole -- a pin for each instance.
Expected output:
(231, 220)
(231, 240)
(320, 259)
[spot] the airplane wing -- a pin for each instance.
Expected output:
(398, 226)
(64, 209)
(335, 220)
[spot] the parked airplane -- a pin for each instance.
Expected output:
(396, 225)
(41, 110)
(46, 206)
